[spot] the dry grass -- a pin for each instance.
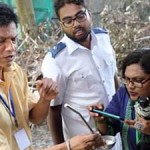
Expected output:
(128, 30)
(31, 52)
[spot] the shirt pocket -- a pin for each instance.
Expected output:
(80, 79)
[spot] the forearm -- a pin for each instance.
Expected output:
(55, 124)
(48, 90)
(39, 112)
(102, 127)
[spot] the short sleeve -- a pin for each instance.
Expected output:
(117, 102)
(117, 106)
(32, 99)
(4, 145)
(50, 69)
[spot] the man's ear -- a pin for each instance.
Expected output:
(90, 13)
(89, 17)
(61, 25)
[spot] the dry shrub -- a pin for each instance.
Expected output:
(31, 52)
(129, 28)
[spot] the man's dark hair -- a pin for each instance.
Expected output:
(60, 3)
(141, 57)
(7, 15)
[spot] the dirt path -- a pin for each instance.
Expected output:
(41, 136)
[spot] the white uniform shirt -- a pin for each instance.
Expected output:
(84, 77)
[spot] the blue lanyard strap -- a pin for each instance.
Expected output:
(12, 112)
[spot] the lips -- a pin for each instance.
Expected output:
(133, 95)
(78, 31)
(9, 58)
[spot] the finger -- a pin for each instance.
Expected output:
(100, 106)
(96, 106)
(129, 122)
(96, 141)
(90, 145)
(54, 88)
(38, 83)
(92, 137)
(94, 114)
(51, 92)
(44, 88)
(51, 95)
(90, 108)
(140, 119)
(48, 88)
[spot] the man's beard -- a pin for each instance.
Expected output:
(79, 40)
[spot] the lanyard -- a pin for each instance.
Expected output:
(12, 112)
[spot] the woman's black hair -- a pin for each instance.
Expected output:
(141, 57)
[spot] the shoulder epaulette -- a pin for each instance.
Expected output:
(99, 30)
(56, 49)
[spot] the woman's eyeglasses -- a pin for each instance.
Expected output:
(135, 82)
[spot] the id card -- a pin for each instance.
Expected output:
(22, 139)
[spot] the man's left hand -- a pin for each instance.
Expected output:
(47, 89)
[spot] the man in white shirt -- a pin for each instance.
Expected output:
(83, 65)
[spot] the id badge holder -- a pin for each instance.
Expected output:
(22, 139)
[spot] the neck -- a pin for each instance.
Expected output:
(87, 42)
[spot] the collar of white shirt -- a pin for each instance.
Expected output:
(73, 46)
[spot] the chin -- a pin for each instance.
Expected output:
(9, 65)
(134, 98)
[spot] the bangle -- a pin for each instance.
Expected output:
(68, 145)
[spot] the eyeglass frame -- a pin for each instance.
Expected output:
(75, 18)
(128, 81)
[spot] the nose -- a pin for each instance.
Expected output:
(131, 84)
(76, 22)
(9, 45)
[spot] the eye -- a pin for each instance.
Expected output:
(80, 15)
(138, 80)
(14, 40)
(2, 41)
(67, 20)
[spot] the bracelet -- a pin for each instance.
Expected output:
(68, 145)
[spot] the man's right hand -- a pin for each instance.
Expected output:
(86, 142)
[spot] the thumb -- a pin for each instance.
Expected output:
(131, 123)
(100, 106)
(39, 84)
